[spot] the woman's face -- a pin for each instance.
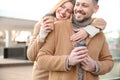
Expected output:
(64, 11)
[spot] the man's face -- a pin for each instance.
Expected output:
(84, 9)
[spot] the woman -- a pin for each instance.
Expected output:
(63, 10)
(45, 22)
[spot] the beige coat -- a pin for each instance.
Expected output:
(52, 56)
(35, 45)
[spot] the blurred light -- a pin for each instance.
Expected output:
(26, 9)
(23, 36)
(114, 35)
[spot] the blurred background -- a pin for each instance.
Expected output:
(17, 19)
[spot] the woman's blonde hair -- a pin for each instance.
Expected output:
(61, 2)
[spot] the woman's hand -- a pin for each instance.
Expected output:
(47, 23)
(46, 27)
(80, 35)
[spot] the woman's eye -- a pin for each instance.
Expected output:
(63, 7)
(69, 11)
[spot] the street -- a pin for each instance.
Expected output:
(16, 72)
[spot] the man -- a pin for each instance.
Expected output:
(63, 60)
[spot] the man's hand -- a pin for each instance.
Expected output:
(88, 64)
(80, 35)
(77, 55)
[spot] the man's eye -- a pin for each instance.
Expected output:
(85, 5)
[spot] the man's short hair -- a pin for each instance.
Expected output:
(73, 1)
(96, 1)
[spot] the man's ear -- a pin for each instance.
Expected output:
(96, 8)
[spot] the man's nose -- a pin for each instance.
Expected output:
(79, 7)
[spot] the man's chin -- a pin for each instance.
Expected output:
(79, 19)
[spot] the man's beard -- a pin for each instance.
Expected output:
(84, 20)
(80, 16)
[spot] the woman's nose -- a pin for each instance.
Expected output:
(63, 11)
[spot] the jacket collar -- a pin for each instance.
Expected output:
(78, 24)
